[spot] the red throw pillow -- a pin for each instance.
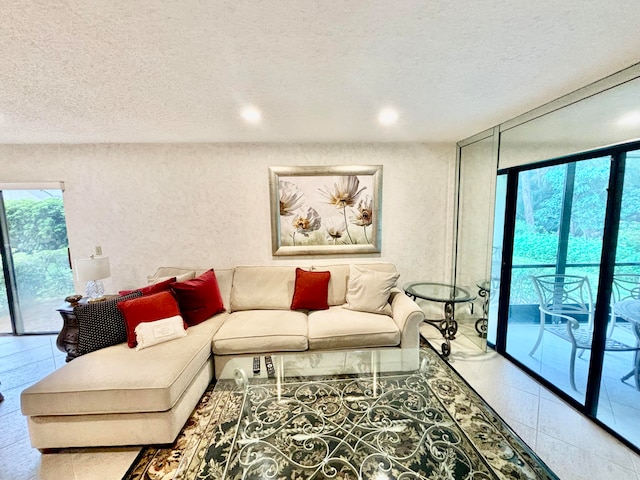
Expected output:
(311, 290)
(162, 286)
(147, 309)
(199, 299)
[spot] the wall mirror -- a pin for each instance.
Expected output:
(477, 163)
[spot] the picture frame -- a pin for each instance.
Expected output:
(325, 210)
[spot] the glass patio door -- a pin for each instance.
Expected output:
(5, 317)
(619, 406)
(569, 303)
(557, 246)
(36, 272)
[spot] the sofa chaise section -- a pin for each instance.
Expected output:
(120, 396)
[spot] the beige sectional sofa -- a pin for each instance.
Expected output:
(121, 396)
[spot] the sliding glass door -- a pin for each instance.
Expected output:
(36, 272)
(557, 246)
(5, 317)
(619, 406)
(569, 308)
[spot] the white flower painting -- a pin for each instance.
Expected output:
(325, 210)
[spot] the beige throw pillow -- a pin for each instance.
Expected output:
(159, 331)
(369, 290)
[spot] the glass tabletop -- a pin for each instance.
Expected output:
(438, 292)
(628, 309)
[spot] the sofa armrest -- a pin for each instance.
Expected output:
(408, 316)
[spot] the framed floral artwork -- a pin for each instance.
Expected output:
(325, 209)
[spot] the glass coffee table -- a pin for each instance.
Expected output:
(446, 294)
(371, 414)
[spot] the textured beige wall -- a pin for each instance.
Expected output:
(151, 205)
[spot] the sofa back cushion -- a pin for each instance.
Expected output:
(225, 281)
(340, 278)
(262, 288)
(271, 287)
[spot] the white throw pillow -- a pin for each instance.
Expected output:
(159, 331)
(369, 290)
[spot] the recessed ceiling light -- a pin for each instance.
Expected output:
(388, 116)
(251, 114)
(631, 119)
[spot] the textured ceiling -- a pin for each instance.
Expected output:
(77, 71)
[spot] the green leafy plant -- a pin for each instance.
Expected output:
(38, 237)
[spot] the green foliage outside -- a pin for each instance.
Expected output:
(38, 236)
(538, 212)
(43, 275)
(36, 225)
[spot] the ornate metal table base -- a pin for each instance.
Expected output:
(484, 292)
(629, 309)
(448, 327)
(635, 373)
(481, 327)
(446, 294)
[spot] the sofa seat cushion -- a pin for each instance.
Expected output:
(261, 331)
(339, 327)
(119, 379)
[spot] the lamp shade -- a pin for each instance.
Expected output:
(92, 268)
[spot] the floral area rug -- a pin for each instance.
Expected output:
(427, 424)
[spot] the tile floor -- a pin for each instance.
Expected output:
(574, 447)
(24, 360)
(571, 445)
(619, 404)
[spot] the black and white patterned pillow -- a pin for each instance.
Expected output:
(101, 324)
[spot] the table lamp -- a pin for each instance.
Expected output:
(92, 270)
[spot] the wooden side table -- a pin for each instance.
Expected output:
(67, 340)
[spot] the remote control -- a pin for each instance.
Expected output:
(256, 365)
(269, 363)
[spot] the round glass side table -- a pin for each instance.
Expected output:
(446, 294)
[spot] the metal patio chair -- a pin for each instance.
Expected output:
(567, 299)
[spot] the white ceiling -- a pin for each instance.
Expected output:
(78, 71)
